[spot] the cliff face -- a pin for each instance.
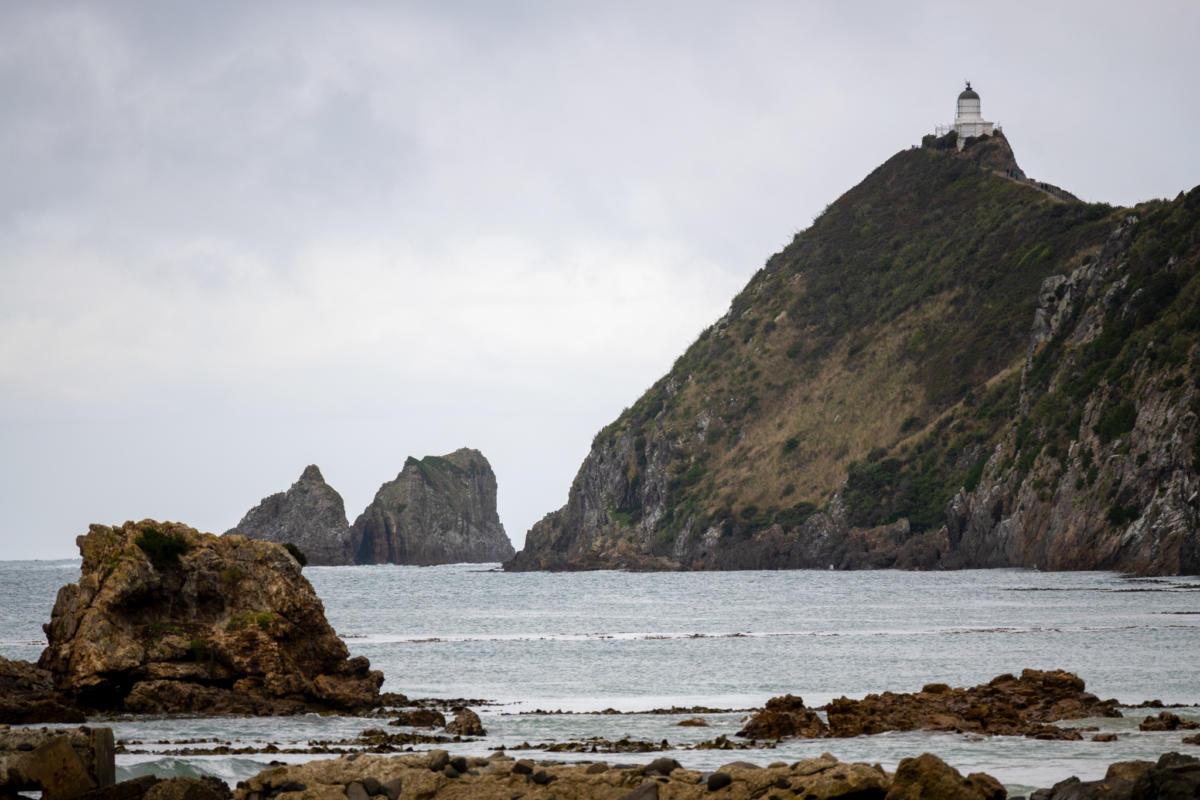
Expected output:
(1099, 468)
(310, 515)
(165, 619)
(954, 366)
(438, 510)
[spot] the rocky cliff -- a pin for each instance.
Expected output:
(438, 510)
(165, 619)
(310, 515)
(954, 366)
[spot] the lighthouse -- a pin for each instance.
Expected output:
(968, 121)
(968, 118)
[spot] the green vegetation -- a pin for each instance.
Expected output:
(1155, 332)
(918, 484)
(928, 229)
(1116, 421)
(297, 554)
(157, 630)
(1119, 515)
(163, 549)
(201, 649)
(942, 262)
(245, 619)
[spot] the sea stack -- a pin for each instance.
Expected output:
(168, 620)
(310, 515)
(438, 510)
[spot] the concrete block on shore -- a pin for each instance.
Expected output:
(62, 763)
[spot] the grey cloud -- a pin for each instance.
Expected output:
(237, 238)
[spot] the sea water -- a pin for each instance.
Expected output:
(586, 642)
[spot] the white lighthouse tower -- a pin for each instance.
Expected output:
(968, 120)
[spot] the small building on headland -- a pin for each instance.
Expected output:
(983, 143)
(968, 119)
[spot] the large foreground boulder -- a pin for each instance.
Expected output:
(166, 619)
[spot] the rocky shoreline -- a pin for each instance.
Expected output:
(1005, 706)
(78, 764)
(168, 621)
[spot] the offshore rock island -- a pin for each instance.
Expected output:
(309, 515)
(438, 510)
(955, 366)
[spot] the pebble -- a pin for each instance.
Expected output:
(355, 791)
(597, 768)
(392, 788)
(543, 778)
(523, 767)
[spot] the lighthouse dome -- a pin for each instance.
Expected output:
(968, 93)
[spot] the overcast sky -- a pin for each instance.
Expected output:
(238, 238)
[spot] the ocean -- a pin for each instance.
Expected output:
(585, 642)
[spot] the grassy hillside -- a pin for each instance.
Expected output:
(864, 375)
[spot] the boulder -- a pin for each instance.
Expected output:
(148, 787)
(825, 778)
(165, 619)
(420, 718)
(1172, 776)
(133, 789)
(784, 717)
(1166, 721)
(28, 695)
(309, 515)
(62, 763)
(206, 788)
(466, 723)
(1006, 705)
(927, 777)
